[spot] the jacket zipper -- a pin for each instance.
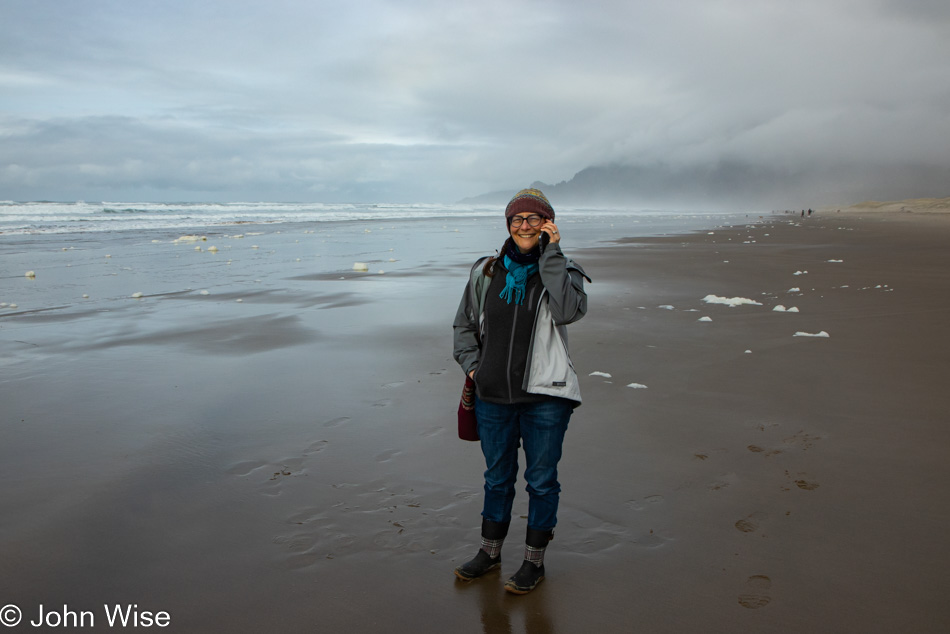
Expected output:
(511, 347)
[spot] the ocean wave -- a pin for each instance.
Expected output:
(129, 210)
(59, 217)
(64, 218)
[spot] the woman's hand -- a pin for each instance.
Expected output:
(551, 229)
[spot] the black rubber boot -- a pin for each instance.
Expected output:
(482, 562)
(477, 566)
(526, 579)
(530, 574)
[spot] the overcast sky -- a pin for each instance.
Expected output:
(402, 100)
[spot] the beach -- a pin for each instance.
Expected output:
(252, 440)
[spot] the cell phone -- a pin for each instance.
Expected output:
(544, 239)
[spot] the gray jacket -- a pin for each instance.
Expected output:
(563, 301)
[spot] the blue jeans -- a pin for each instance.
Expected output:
(540, 427)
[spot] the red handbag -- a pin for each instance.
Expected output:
(468, 426)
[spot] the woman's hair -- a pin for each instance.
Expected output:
(489, 269)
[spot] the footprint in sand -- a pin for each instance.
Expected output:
(335, 422)
(281, 469)
(705, 454)
(639, 505)
(596, 534)
(316, 447)
(280, 473)
(245, 468)
(804, 440)
(393, 384)
(322, 539)
(297, 543)
(801, 483)
(758, 597)
(725, 480)
(750, 523)
(768, 452)
(746, 526)
(387, 455)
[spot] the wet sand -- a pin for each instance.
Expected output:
(290, 462)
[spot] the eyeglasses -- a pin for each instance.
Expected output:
(534, 220)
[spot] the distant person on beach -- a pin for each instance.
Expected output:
(510, 338)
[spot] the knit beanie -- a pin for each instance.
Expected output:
(530, 201)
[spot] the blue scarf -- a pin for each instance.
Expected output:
(520, 267)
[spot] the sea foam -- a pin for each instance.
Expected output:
(732, 302)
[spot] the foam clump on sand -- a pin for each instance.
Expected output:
(836, 261)
(794, 289)
(30, 274)
(603, 374)
(213, 249)
(137, 295)
(779, 309)
(730, 301)
(186, 239)
(666, 307)
(637, 386)
(360, 266)
(704, 319)
(809, 334)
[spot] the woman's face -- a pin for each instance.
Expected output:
(525, 237)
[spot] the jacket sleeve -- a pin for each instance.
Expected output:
(564, 284)
(465, 329)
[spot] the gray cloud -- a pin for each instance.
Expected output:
(430, 101)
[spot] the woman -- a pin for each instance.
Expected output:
(510, 338)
